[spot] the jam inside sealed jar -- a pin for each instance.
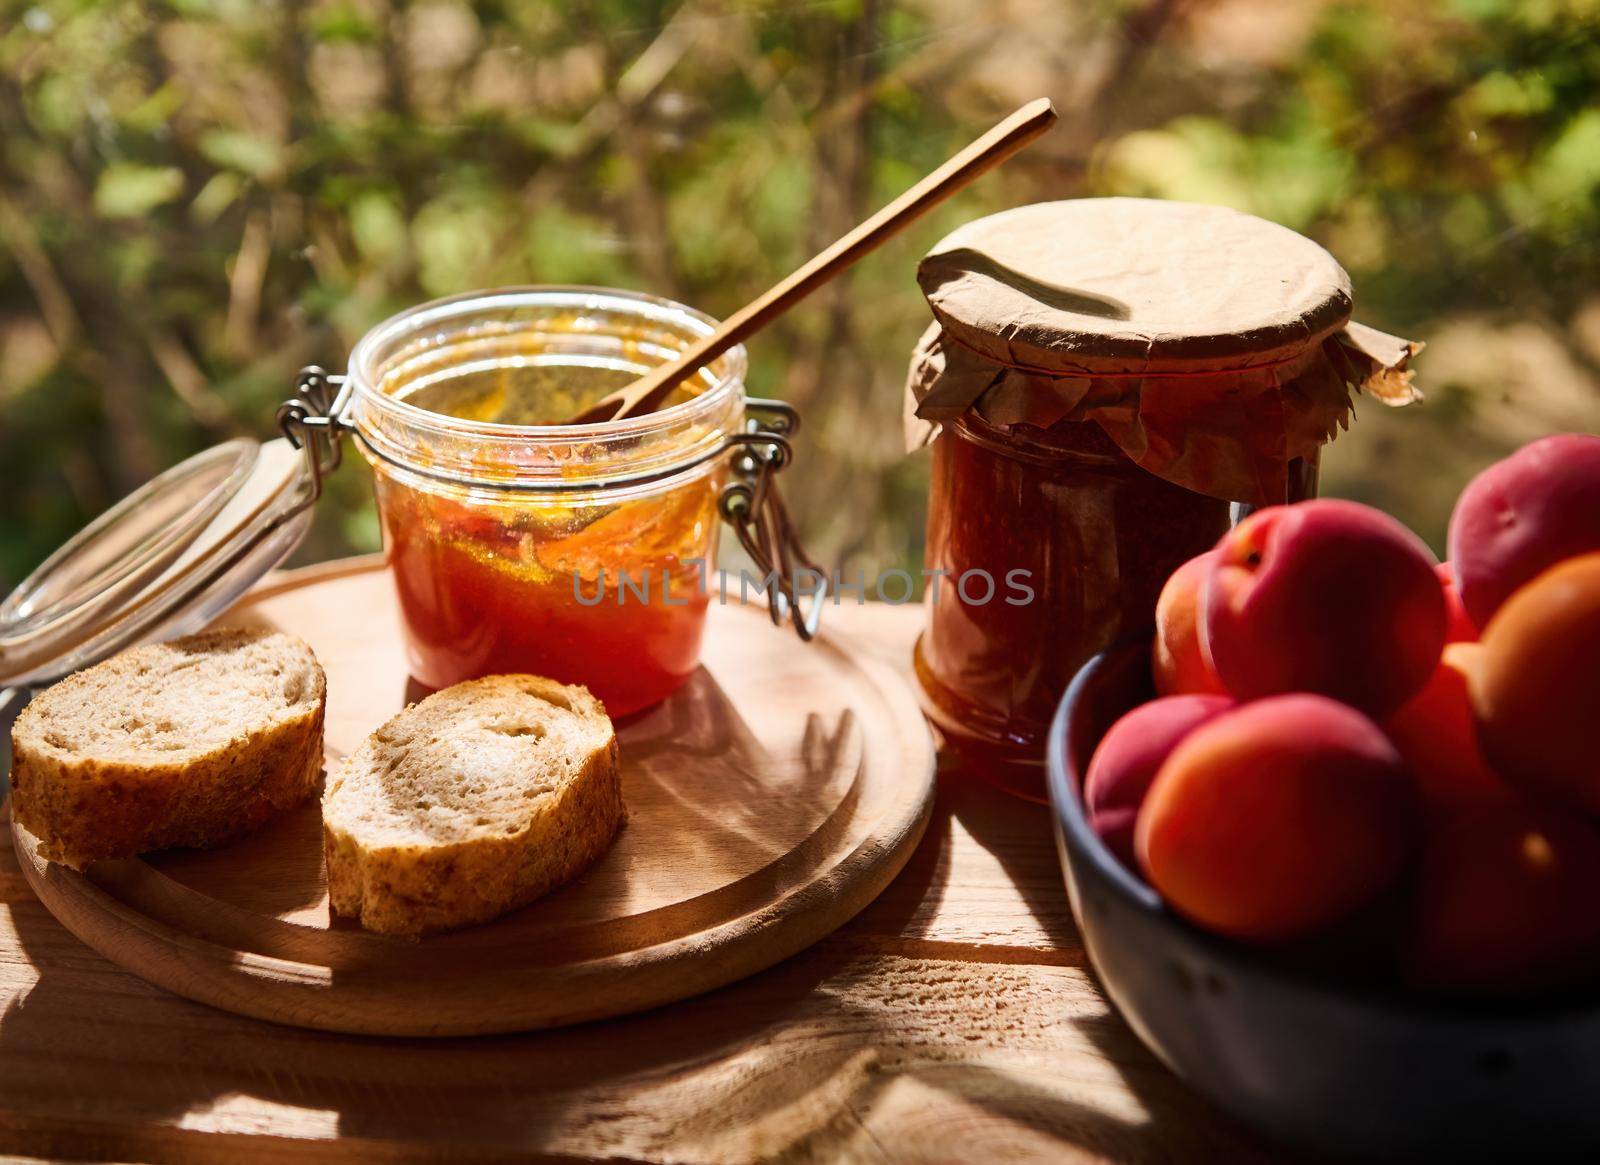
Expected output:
(521, 544)
(1079, 541)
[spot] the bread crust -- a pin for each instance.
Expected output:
(418, 889)
(86, 808)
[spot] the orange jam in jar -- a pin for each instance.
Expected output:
(1079, 542)
(522, 544)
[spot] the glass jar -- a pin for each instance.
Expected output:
(520, 544)
(1070, 543)
(1107, 378)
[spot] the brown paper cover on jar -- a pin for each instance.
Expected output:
(1213, 347)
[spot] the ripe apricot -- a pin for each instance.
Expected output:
(1177, 663)
(1278, 819)
(1458, 625)
(1438, 737)
(1324, 596)
(1535, 690)
(1127, 758)
(1504, 900)
(1523, 515)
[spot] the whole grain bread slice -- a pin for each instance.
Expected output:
(187, 743)
(474, 801)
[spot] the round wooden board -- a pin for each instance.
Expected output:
(769, 800)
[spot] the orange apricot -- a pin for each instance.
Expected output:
(1177, 663)
(1535, 691)
(1324, 596)
(1127, 759)
(1521, 516)
(1438, 737)
(1504, 901)
(1278, 819)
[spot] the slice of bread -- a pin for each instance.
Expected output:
(187, 743)
(473, 802)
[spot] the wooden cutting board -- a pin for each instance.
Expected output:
(769, 800)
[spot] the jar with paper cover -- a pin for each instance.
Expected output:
(1106, 385)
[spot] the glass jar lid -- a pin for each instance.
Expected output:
(164, 561)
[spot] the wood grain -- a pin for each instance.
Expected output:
(953, 1020)
(769, 800)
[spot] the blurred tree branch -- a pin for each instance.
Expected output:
(55, 305)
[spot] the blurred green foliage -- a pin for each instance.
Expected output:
(199, 196)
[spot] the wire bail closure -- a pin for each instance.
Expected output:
(752, 505)
(313, 421)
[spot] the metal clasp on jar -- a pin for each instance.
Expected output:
(314, 421)
(752, 505)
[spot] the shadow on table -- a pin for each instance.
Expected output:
(1031, 863)
(98, 1060)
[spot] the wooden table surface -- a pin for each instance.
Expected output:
(955, 1020)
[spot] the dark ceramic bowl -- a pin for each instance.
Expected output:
(1346, 1069)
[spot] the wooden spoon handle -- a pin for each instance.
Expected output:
(989, 151)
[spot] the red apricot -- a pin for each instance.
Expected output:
(1438, 737)
(1278, 819)
(1536, 692)
(1458, 625)
(1328, 597)
(1127, 758)
(1177, 663)
(1505, 900)
(1523, 515)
